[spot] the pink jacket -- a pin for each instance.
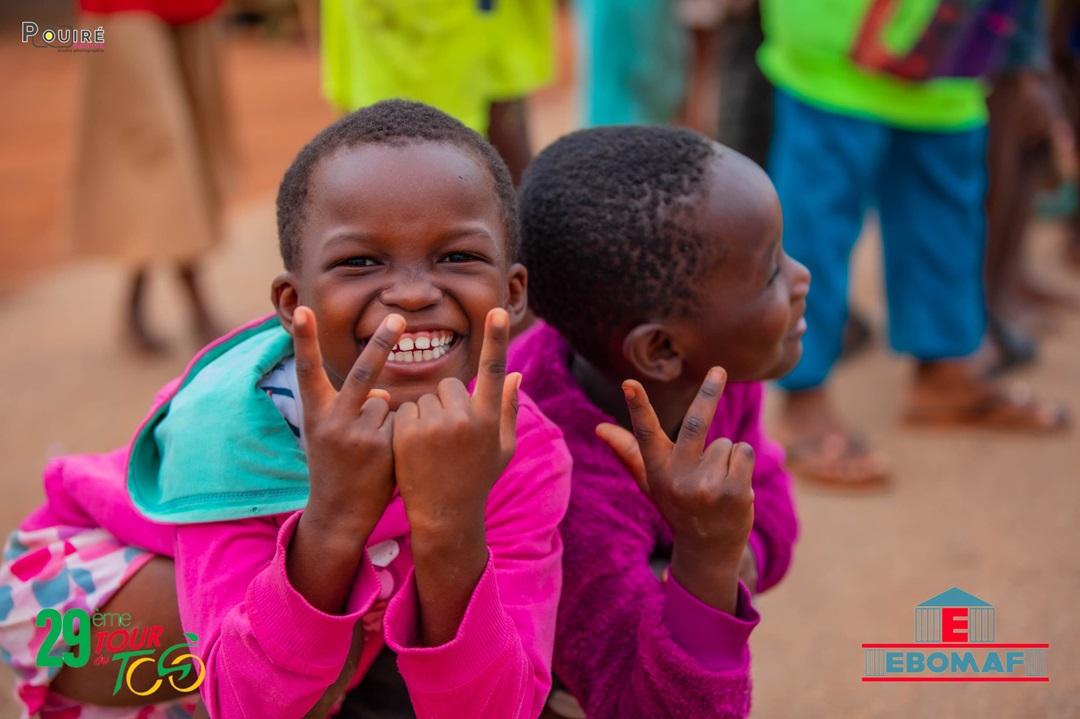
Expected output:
(270, 653)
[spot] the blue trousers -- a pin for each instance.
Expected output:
(929, 190)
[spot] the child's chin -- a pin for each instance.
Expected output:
(790, 357)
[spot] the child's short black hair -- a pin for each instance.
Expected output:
(607, 230)
(390, 122)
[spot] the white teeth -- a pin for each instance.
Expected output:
(421, 348)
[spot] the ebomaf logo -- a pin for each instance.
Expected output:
(955, 641)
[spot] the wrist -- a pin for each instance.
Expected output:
(709, 575)
(441, 541)
(337, 529)
(447, 525)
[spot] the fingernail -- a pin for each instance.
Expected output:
(395, 323)
(299, 319)
(499, 319)
(628, 391)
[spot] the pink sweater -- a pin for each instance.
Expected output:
(629, 646)
(271, 654)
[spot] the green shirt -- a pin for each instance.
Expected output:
(807, 52)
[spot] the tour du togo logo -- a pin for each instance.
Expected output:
(955, 635)
(131, 646)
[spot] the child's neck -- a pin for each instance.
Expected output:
(607, 395)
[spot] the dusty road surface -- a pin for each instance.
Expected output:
(995, 516)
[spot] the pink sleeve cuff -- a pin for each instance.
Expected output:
(715, 639)
(295, 634)
(485, 632)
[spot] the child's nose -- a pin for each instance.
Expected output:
(411, 293)
(800, 284)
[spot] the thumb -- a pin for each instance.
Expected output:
(508, 417)
(626, 448)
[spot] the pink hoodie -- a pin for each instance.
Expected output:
(269, 653)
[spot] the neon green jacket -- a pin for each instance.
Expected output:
(807, 52)
(446, 53)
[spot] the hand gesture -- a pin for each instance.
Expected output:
(705, 494)
(347, 432)
(449, 448)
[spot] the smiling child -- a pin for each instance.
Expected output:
(324, 478)
(655, 260)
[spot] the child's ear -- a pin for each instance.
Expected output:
(650, 350)
(286, 298)
(517, 301)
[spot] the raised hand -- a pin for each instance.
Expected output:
(350, 461)
(705, 494)
(449, 449)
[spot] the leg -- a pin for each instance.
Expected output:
(633, 60)
(508, 131)
(150, 597)
(140, 336)
(745, 105)
(933, 227)
(1012, 188)
(931, 194)
(821, 164)
(206, 329)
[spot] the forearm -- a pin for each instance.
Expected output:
(268, 650)
(448, 564)
(323, 557)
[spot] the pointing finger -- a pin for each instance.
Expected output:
(626, 448)
(695, 426)
(315, 388)
(366, 368)
(491, 375)
(653, 443)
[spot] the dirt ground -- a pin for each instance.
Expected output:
(993, 515)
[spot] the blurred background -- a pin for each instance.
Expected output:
(993, 513)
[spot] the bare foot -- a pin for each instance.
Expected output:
(953, 392)
(821, 448)
(1044, 296)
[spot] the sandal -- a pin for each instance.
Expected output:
(837, 459)
(1009, 410)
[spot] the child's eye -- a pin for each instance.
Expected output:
(459, 257)
(358, 262)
(775, 274)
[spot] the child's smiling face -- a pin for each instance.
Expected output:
(753, 301)
(411, 229)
